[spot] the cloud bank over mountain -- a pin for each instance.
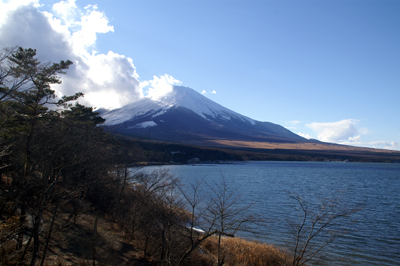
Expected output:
(346, 132)
(337, 132)
(107, 80)
(159, 86)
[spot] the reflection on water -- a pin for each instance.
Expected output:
(374, 239)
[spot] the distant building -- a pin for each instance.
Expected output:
(193, 160)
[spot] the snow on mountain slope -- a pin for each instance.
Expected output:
(178, 97)
(183, 114)
(201, 105)
(145, 124)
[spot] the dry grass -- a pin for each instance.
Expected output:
(292, 146)
(72, 244)
(94, 236)
(241, 252)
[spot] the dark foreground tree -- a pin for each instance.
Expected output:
(45, 147)
(12, 77)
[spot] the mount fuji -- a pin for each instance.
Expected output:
(184, 115)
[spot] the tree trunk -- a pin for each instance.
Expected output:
(162, 247)
(94, 240)
(22, 221)
(220, 262)
(36, 240)
(49, 235)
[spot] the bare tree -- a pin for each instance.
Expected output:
(162, 209)
(194, 198)
(316, 227)
(226, 214)
(214, 211)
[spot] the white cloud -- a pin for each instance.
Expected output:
(159, 86)
(92, 23)
(83, 25)
(337, 132)
(65, 9)
(107, 80)
(8, 7)
(205, 93)
(387, 145)
(304, 135)
(392, 146)
(346, 132)
(27, 27)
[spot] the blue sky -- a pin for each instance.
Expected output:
(328, 70)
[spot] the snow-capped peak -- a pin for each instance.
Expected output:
(201, 105)
(177, 97)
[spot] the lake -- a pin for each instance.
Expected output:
(373, 237)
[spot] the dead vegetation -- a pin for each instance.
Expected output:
(66, 195)
(147, 229)
(238, 251)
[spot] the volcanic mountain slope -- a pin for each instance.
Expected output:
(184, 115)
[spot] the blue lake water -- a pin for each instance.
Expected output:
(374, 235)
